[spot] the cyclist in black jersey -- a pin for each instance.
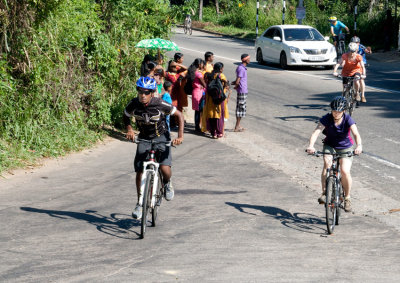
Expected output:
(150, 115)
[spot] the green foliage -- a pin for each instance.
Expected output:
(69, 69)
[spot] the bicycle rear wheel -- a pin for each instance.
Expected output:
(159, 197)
(146, 204)
(330, 204)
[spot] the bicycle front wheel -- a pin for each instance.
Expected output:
(190, 29)
(330, 204)
(159, 197)
(185, 29)
(146, 203)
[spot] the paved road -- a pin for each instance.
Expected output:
(245, 207)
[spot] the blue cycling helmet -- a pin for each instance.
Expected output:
(338, 103)
(146, 83)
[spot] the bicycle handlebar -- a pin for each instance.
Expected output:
(319, 153)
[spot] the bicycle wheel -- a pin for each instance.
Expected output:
(339, 199)
(185, 29)
(159, 197)
(330, 205)
(190, 29)
(146, 204)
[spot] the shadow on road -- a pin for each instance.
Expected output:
(116, 224)
(303, 222)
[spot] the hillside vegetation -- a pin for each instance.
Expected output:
(67, 68)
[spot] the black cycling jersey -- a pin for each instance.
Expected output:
(150, 118)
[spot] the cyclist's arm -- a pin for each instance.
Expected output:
(181, 122)
(357, 138)
(337, 66)
(363, 68)
(347, 29)
(130, 134)
(333, 34)
(313, 138)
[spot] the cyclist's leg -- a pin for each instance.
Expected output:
(327, 164)
(345, 167)
(357, 87)
(362, 90)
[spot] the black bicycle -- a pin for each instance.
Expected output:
(152, 185)
(350, 94)
(334, 194)
(341, 45)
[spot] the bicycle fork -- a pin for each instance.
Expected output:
(151, 169)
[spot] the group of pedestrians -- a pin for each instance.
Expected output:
(162, 95)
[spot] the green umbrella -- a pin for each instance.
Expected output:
(157, 43)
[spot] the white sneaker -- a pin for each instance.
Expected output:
(169, 191)
(137, 212)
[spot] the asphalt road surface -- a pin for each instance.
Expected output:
(245, 208)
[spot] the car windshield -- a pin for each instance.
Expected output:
(309, 34)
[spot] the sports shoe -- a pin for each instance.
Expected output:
(347, 204)
(363, 99)
(169, 191)
(358, 97)
(321, 199)
(137, 212)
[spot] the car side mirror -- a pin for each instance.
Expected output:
(326, 38)
(277, 38)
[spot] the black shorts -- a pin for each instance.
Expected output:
(356, 75)
(163, 153)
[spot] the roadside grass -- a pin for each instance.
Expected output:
(228, 30)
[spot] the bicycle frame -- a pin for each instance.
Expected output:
(152, 168)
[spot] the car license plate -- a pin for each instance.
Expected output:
(316, 58)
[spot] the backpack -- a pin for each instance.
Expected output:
(188, 87)
(216, 90)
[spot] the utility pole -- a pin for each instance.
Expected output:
(258, 6)
(283, 12)
(355, 16)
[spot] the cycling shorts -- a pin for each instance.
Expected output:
(329, 149)
(163, 153)
(356, 75)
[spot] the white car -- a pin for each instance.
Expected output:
(295, 45)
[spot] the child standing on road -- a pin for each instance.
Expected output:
(167, 98)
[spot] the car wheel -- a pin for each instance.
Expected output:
(283, 61)
(259, 57)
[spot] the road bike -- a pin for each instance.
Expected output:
(350, 94)
(187, 26)
(334, 194)
(152, 185)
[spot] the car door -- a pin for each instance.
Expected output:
(268, 35)
(276, 46)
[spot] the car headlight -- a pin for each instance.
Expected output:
(333, 49)
(294, 50)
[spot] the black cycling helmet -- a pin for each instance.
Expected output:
(338, 103)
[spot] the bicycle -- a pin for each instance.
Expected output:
(187, 27)
(341, 45)
(334, 193)
(350, 94)
(152, 185)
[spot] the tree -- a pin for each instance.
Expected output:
(217, 6)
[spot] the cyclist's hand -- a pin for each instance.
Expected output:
(358, 150)
(335, 74)
(310, 150)
(130, 135)
(177, 141)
